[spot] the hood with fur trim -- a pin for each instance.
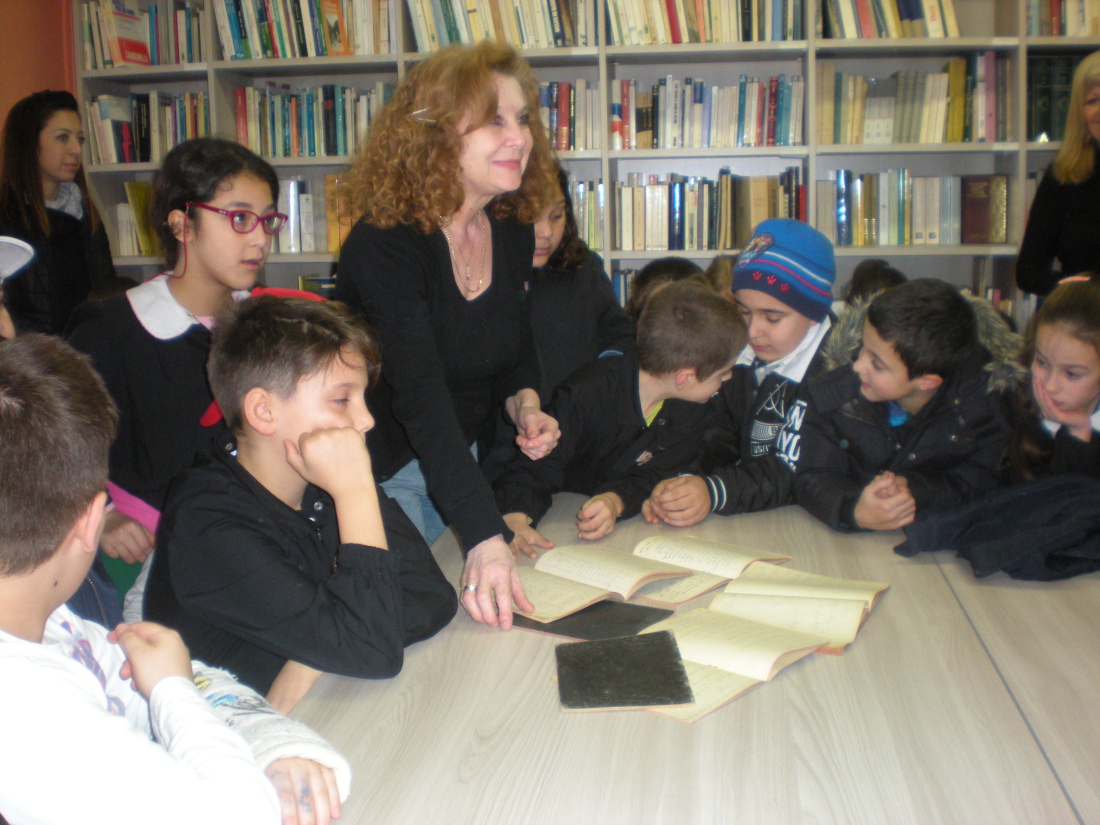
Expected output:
(1004, 345)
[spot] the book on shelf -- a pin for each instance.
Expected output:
(967, 102)
(896, 208)
(984, 209)
(256, 29)
(143, 126)
(696, 213)
(668, 22)
(322, 121)
(694, 114)
(569, 111)
(338, 211)
(1049, 83)
(567, 579)
(116, 33)
(526, 24)
(589, 207)
(850, 19)
(1068, 18)
(139, 197)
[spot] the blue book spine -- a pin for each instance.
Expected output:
(311, 114)
(318, 32)
(234, 29)
(742, 88)
(287, 125)
(843, 207)
(777, 19)
(154, 51)
(341, 123)
(783, 119)
(708, 100)
(676, 215)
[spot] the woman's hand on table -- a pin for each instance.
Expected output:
(491, 571)
(527, 538)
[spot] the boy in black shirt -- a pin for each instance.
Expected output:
(627, 421)
(277, 556)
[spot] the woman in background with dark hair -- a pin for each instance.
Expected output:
(44, 201)
(574, 313)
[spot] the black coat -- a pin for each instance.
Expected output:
(1062, 224)
(950, 452)
(68, 265)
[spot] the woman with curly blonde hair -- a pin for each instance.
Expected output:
(1066, 209)
(448, 183)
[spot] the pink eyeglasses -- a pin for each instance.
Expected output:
(244, 221)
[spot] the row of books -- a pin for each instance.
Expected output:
(134, 220)
(144, 126)
(322, 121)
(589, 208)
(847, 19)
(116, 33)
(692, 114)
(526, 24)
(897, 208)
(1049, 83)
(252, 29)
(656, 22)
(302, 208)
(696, 213)
(968, 102)
(570, 111)
(1072, 18)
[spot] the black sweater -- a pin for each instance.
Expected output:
(448, 364)
(67, 265)
(1063, 224)
(605, 444)
(575, 317)
(251, 583)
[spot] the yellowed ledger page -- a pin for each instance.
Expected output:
(728, 560)
(553, 596)
(712, 687)
(737, 645)
(771, 580)
(678, 591)
(611, 570)
(838, 620)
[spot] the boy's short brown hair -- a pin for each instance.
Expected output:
(687, 326)
(274, 343)
(57, 422)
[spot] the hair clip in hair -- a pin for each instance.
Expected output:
(421, 116)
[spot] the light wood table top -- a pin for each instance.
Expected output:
(923, 719)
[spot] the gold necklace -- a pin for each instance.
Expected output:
(457, 261)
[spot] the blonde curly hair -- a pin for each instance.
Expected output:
(408, 169)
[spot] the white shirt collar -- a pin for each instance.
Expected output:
(794, 364)
(1053, 427)
(159, 312)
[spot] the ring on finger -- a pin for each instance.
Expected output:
(470, 588)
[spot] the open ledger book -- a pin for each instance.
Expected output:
(567, 579)
(765, 619)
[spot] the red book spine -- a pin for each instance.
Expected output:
(773, 102)
(866, 19)
(626, 115)
(242, 116)
(563, 116)
(673, 21)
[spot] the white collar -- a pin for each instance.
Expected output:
(794, 364)
(1053, 427)
(159, 312)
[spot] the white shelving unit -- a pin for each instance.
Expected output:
(989, 25)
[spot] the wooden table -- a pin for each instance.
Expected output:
(959, 702)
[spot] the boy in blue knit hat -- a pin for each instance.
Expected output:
(783, 285)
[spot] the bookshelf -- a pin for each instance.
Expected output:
(986, 25)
